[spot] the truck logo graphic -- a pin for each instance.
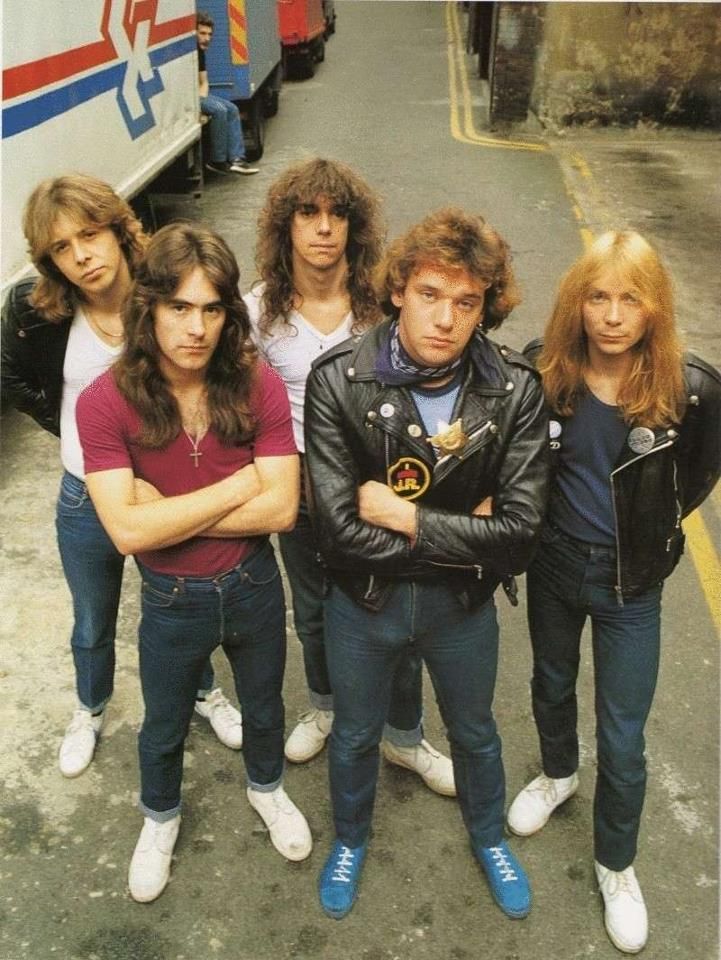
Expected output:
(126, 58)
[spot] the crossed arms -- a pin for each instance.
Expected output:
(260, 498)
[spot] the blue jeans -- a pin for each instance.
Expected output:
(94, 572)
(226, 132)
(183, 620)
(364, 649)
(569, 581)
(308, 586)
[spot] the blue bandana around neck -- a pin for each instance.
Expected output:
(396, 368)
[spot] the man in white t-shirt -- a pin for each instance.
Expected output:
(319, 238)
(60, 332)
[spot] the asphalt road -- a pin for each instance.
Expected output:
(389, 100)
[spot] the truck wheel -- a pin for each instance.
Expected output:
(319, 50)
(270, 102)
(254, 130)
(300, 66)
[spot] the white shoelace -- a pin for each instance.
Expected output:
(341, 871)
(222, 708)
(617, 882)
(504, 867)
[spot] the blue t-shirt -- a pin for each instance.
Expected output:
(590, 443)
(435, 406)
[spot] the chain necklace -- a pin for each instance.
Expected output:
(95, 322)
(195, 427)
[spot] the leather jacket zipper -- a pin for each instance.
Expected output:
(617, 588)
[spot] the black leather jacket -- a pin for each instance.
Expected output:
(652, 491)
(357, 430)
(33, 353)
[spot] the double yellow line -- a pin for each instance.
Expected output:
(462, 126)
(703, 552)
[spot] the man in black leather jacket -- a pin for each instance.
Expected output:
(636, 437)
(428, 472)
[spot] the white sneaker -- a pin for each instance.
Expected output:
(288, 828)
(309, 735)
(150, 866)
(625, 913)
(536, 802)
(225, 720)
(435, 769)
(78, 746)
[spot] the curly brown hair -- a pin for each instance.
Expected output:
(452, 238)
(173, 252)
(87, 200)
(300, 184)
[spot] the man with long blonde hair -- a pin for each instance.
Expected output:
(319, 237)
(60, 331)
(636, 435)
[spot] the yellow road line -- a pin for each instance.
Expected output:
(706, 560)
(466, 132)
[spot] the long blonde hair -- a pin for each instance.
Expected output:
(87, 200)
(653, 392)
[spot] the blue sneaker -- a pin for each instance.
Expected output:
(508, 882)
(338, 882)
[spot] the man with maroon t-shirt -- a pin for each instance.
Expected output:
(191, 463)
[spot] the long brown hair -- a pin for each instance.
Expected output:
(173, 252)
(300, 184)
(653, 392)
(87, 200)
(452, 238)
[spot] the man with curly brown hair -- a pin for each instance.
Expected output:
(319, 237)
(428, 471)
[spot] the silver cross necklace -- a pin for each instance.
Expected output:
(195, 427)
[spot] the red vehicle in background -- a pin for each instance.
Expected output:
(302, 35)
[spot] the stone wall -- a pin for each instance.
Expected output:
(624, 62)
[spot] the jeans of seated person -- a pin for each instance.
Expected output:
(183, 620)
(226, 131)
(308, 587)
(569, 581)
(94, 573)
(461, 659)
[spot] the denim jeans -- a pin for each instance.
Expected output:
(364, 649)
(569, 581)
(94, 572)
(226, 132)
(307, 586)
(183, 620)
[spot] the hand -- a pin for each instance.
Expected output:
(377, 504)
(145, 492)
(484, 508)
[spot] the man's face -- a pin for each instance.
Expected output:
(188, 326)
(90, 257)
(204, 34)
(319, 234)
(440, 308)
(614, 318)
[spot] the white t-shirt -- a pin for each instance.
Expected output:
(86, 357)
(291, 349)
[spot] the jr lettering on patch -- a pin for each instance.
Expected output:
(409, 478)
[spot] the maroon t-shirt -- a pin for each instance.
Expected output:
(107, 424)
